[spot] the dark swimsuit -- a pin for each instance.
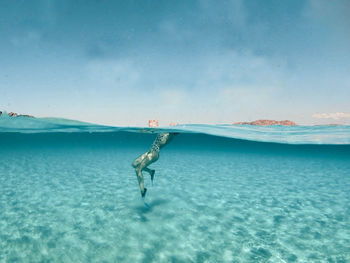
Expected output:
(160, 139)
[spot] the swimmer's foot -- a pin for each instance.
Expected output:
(144, 193)
(152, 175)
(143, 198)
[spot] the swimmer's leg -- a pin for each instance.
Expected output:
(140, 180)
(151, 157)
(138, 160)
(142, 188)
(151, 172)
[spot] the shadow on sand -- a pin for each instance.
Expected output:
(142, 210)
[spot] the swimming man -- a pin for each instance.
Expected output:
(140, 164)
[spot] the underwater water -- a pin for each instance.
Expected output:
(223, 193)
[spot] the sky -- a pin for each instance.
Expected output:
(125, 62)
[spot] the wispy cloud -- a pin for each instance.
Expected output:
(334, 116)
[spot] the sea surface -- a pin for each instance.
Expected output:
(221, 193)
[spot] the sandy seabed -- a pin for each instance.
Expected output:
(207, 205)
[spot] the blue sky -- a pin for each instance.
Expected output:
(125, 62)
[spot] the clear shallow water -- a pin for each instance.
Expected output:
(74, 197)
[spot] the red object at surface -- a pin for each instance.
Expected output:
(153, 123)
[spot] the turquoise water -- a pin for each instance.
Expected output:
(221, 193)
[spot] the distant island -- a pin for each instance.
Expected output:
(267, 123)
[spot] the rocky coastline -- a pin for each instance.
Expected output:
(14, 114)
(154, 123)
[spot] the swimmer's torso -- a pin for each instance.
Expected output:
(161, 140)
